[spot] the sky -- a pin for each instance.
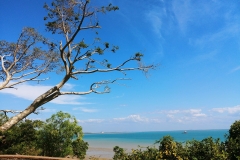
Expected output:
(196, 85)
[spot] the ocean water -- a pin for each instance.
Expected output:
(151, 137)
(143, 139)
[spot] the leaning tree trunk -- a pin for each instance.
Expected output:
(42, 99)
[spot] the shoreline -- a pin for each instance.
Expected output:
(105, 152)
(100, 153)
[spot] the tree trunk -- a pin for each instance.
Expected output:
(42, 99)
(15, 119)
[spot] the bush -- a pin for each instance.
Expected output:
(233, 141)
(56, 136)
(21, 139)
(208, 148)
(59, 136)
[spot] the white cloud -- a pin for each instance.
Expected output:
(199, 115)
(91, 121)
(133, 118)
(69, 99)
(187, 111)
(48, 110)
(68, 86)
(183, 115)
(87, 110)
(136, 118)
(31, 92)
(231, 110)
(170, 116)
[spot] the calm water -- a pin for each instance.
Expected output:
(149, 138)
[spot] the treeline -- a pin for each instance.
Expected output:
(206, 149)
(58, 136)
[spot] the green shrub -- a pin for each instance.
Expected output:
(56, 136)
(233, 141)
(207, 149)
(21, 138)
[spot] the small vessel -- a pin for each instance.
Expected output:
(185, 132)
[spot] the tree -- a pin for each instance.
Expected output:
(69, 18)
(208, 148)
(233, 141)
(56, 137)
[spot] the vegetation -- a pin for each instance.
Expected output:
(206, 149)
(233, 141)
(59, 136)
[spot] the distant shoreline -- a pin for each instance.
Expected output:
(153, 131)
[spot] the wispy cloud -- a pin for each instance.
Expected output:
(183, 115)
(123, 105)
(137, 119)
(154, 16)
(133, 118)
(119, 96)
(235, 69)
(230, 30)
(48, 110)
(87, 110)
(230, 110)
(91, 121)
(189, 13)
(191, 112)
(68, 86)
(31, 92)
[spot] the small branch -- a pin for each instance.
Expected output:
(10, 111)
(31, 79)
(114, 69)
(89, 27)
(95, 86)
(15, 111)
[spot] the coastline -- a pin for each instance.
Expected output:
(100, 153)
(103, 150)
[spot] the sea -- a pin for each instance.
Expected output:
(103, 143)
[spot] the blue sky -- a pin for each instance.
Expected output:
(196, 86)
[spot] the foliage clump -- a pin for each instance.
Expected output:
(59, 136)
(233, 141)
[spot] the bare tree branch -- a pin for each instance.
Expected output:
(24, 59)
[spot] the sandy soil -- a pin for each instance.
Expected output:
(99, 153)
